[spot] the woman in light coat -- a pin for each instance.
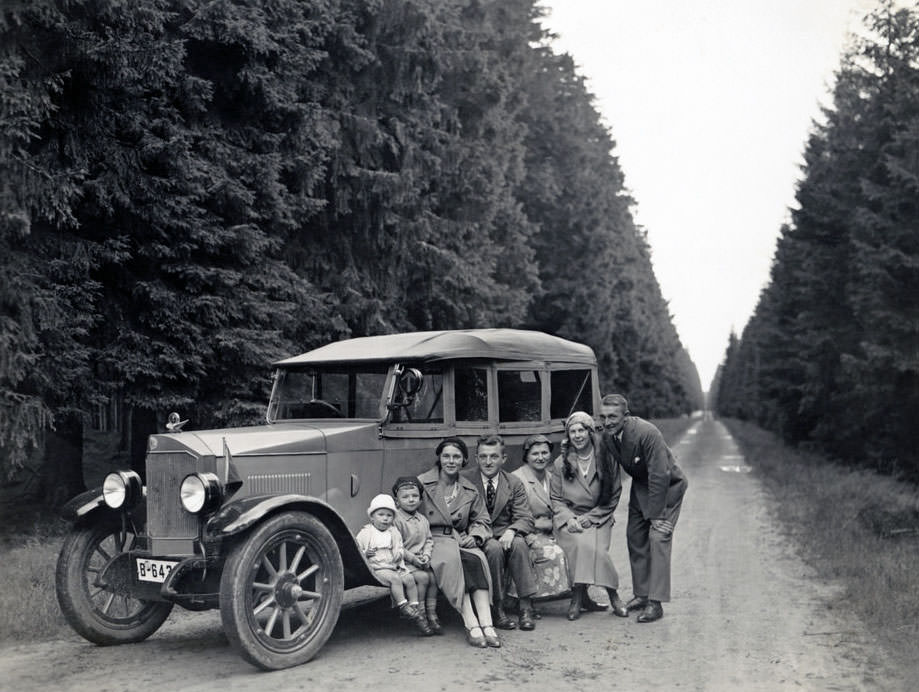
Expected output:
(548, 557)
(584, 491)
(460, 524)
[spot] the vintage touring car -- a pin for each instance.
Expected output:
(259, 521)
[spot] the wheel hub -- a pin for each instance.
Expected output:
(287, 590)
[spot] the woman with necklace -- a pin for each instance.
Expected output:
(460, 524)
(585, 490)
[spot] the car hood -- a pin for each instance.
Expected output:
(277, 438)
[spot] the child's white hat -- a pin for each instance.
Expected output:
(381, 501)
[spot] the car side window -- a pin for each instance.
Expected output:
(571, 391)
(471, 394)
(519, 395)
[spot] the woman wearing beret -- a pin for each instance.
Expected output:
(548, 557)
(584, 491)
(459, 525)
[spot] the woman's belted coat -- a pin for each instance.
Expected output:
(465, 515)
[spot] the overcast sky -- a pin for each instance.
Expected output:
(710, 103)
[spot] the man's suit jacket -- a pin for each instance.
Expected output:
(512, 507)
(648, 460)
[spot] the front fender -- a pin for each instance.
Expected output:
(83, 505)
(90, 506)
(235, 517)
(239, 516)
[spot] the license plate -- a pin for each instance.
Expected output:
(154, 570)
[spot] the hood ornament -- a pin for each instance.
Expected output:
(174, 423)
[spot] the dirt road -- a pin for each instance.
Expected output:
(747, 614)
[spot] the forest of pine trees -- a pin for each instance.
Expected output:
(830, 358)
(190, 190)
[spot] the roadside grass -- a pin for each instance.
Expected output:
(856, 527)
(29, 545)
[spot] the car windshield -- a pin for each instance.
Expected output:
(329, 392)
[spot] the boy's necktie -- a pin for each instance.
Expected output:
(490, 494)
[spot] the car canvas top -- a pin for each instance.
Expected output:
(497, 344)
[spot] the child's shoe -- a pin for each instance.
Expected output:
(407, 611)
(421, 622)
(434, 621)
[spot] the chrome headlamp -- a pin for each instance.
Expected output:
(200, 492)
(122, 489)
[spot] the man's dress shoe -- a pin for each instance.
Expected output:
(503, 622)
(653, 611)
(526, 620)
(637, 603)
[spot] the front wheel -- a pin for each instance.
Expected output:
(101, 611)
(281, 591)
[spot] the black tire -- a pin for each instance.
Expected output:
(99, 612)
(281, 591)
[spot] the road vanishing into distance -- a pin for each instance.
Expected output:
(747, 614)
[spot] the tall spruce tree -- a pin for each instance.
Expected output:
(883, 281)
(47, 296)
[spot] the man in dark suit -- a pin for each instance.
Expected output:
(511, 521)
(658, 485)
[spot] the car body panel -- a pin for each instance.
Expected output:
(479, 381)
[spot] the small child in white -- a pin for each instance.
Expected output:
(381, 544)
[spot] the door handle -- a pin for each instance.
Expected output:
(355, 485)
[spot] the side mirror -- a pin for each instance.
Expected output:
(406, 384)
(410, 382)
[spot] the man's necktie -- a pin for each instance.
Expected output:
(617, 447)
(490, 494)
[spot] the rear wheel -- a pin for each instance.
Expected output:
(281, 591)
(100, 610)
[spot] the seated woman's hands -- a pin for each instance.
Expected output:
(417, 560)
(574, 525)
(466, 541)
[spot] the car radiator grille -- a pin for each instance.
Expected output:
(166, 518)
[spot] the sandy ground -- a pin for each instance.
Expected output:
(747, 614)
